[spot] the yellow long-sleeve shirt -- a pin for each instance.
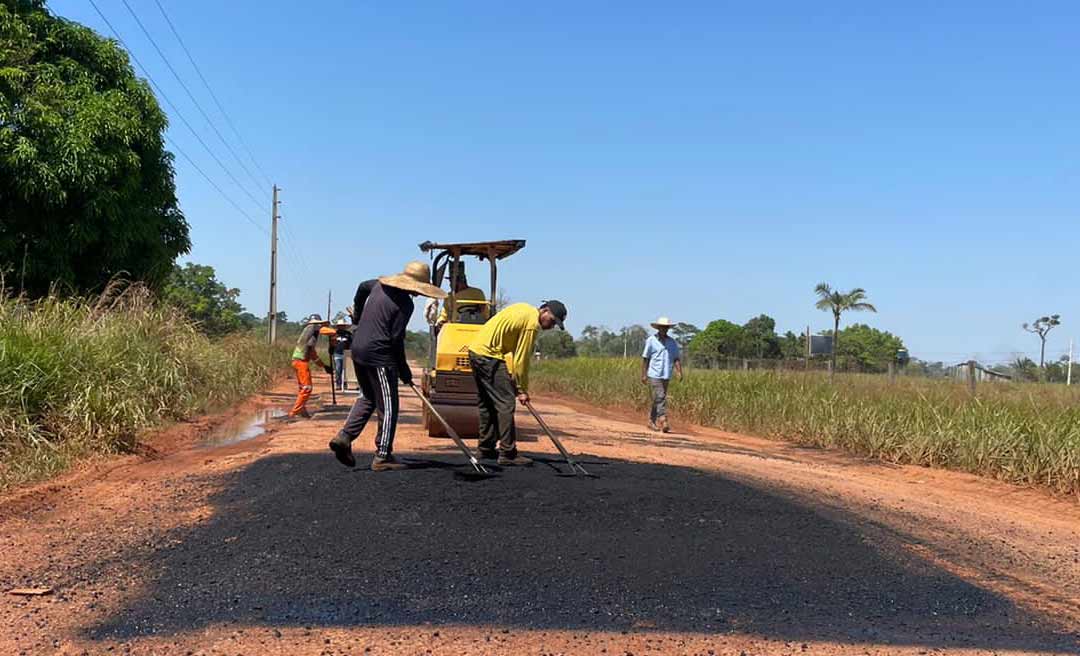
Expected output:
(510, 335)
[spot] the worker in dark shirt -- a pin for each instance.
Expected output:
(378, 354)
(341, 343)
(363, 290)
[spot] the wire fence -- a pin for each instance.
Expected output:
(969, 371)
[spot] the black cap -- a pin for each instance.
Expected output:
(558, 310)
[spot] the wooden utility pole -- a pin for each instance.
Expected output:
(971, 376)
(329, 295)
(273, 266)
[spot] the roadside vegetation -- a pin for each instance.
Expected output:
(83, 376)
(1021, 433)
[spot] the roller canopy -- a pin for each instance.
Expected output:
(481, 249)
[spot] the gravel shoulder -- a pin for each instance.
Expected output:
(689, 542)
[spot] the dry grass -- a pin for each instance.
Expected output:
(82, 376)
(1022, 433)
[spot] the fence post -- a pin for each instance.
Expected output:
(971, 376)
(745, 365)
(828, 366)
(892, 373)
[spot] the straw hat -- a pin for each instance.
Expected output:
(314, 320)
(662, 322)
(414, 278)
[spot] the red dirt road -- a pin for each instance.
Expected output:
(689, 543)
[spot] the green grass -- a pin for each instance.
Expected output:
(81, 376)
(1022, 433)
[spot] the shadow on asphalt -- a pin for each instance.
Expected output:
(298, 540)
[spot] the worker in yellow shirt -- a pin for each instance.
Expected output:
(500, 356)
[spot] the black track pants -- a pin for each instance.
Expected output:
(380, 393)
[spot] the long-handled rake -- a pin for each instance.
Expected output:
(575, 467)
(481, 471)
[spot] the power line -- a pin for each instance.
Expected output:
(199, 107)
(215, 186)
(165, 97)
(213, 96)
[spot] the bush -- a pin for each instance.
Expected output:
(86, 375)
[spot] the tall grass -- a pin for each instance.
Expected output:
(1026, 434)
(87, 375)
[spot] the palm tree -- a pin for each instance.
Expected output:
(1041, 327)
(840, 302)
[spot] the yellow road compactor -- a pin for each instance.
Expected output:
(448, 381)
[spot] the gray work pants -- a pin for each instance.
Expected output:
(659, 398)
(497, 403)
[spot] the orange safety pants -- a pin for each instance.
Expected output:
(303, 380)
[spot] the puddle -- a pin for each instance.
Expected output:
(242, 428)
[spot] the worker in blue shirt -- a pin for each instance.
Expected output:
(659, 359)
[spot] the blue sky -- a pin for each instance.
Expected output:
(699, 160)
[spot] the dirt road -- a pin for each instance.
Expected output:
(702, 543)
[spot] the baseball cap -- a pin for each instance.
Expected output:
(557, 309)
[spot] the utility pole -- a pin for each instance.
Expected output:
(329, 295)
(1068, 374)
(273, 266)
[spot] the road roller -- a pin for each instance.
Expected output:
(447, 380)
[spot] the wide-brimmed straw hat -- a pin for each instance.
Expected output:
(414, 278)
(315, 319)
(662, 322)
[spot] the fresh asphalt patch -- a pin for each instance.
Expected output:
(299, 540)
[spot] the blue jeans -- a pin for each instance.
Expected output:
(339, 370)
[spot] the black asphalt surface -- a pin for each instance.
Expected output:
(299, 540)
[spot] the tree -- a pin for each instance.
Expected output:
(631, 341)
(720, 338)
(555, 344)
(760, 338)
(86, 185)
(417, 344)
(1024, 369)
(868, 348)
(1041, 327)
(683, 333)
(839, 302)
(502, 300)
(792, 346)
(197, 292)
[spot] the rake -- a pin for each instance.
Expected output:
(481, 471)
(575, 467)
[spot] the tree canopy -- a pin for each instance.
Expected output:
(598, 341)
(196, 291)
(867, 349)
(86, 185)
(555, 344)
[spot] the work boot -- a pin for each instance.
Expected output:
(342, 448)
(387, 464)
(489, 454)
(512, 459)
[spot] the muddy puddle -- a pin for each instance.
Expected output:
(243, 427)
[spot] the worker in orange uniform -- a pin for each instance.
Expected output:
(301, 356)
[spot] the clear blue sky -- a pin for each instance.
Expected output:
(699, 160)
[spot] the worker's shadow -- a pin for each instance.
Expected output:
(296, 539)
